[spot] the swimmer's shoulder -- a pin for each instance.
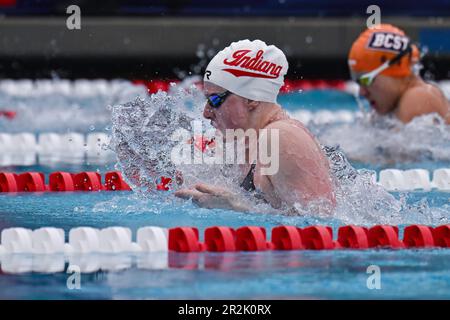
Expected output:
(289, 127)
(421, 99)
(293, 135)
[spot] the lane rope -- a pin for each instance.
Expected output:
(391, 179)
(49, 240)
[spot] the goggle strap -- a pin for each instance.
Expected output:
(400, 55)
(378, 70)
(372, 74)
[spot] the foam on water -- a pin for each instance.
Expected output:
(384, 140)
(360, 200)
(141, 132)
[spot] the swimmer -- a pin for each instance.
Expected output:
(381, 62)
(242, 83)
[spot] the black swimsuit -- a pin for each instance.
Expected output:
(248, 184)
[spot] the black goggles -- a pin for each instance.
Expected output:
(215, 100)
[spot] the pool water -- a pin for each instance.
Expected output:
(411, 274)
(336, 274)
(405, 274)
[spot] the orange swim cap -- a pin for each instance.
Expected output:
(375, 46)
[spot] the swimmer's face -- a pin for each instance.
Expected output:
(232, 114)
(382, 94)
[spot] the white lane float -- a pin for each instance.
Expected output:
(30, 149)
(152, 239)
(48, 240)
(392, 180)
(415, 179)
(83, 240)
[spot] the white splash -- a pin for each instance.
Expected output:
(383, 140)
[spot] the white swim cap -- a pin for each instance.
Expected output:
(250, 69)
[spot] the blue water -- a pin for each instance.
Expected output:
(314, 100)
(300, 274)
(277, 275)
(405, 274)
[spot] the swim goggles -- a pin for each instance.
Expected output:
(215, 100)
(367, 79)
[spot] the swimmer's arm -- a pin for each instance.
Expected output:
(213, 197)
(420, 101)
(281, 187)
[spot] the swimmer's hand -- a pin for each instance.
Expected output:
(208, 196)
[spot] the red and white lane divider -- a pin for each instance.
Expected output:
(156, 85)
(62, 181)
(82, 240)
(290, 85)
(390, 179)
(44, 250)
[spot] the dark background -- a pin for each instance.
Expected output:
(158, 39)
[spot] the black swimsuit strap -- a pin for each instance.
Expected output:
(248, 183)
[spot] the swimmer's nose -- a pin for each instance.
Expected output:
(208, 112)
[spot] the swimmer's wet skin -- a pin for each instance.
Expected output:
(381, 61)
(242, 84)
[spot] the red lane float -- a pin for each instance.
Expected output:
(61, 181)
(385, 237)
(353, 237)
(185, 239)
(251, 239)
(64, 181)
(88, 181)
(114, 181)
(441, 236)
(220, 239)
(8, 182)
(287, 87)
(320, 84)
(418, 236)
(287, 238)
(318, 238)
(31, 182)
(155, 85)
(303, 85)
